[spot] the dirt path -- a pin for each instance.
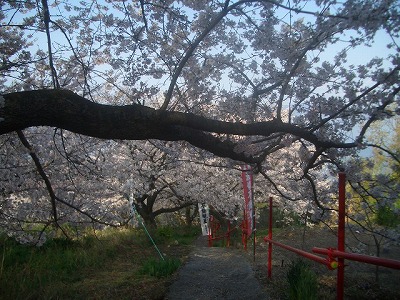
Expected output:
(216, 273)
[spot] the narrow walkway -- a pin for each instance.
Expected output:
(215, 273)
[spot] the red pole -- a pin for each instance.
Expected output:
(341, 236)
(210, 231)
(270, 237)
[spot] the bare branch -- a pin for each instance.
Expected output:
(189, 52)
(42, 174)
(356, 99)
(46, 19)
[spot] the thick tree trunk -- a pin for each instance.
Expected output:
(149, 221)
(148, 216)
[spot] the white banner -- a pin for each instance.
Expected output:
(204, 213)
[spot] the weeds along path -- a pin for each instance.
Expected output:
(215, 273)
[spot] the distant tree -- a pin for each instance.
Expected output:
(374, 202)
(159, 177)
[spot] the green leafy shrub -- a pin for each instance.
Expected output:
(386, 216)
(165, 231)
(303, 283)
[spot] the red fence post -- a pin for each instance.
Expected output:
(243, 226)
(211, 230)
(341, 236)
(270, 237)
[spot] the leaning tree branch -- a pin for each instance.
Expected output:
(67, 110)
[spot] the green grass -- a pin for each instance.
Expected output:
(69, 269)
(303, 284)
(29, 271)
(160, 267)
(180, 235)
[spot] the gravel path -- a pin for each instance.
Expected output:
(216, 273)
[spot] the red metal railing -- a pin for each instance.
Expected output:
(331, 253)
(329, 262)
(214, 233)
(373, 260)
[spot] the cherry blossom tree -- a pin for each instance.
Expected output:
(68, 172)
(276, 84)
(160, 177)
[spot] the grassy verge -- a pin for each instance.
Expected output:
(302, 281)
(111, 264)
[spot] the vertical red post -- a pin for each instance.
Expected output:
(244, 230)
(270, 237)
(341, 235)
(210, 231)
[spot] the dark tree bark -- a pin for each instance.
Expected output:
(65, 109)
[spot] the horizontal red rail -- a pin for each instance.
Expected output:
(331, 264)
(384, 262)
